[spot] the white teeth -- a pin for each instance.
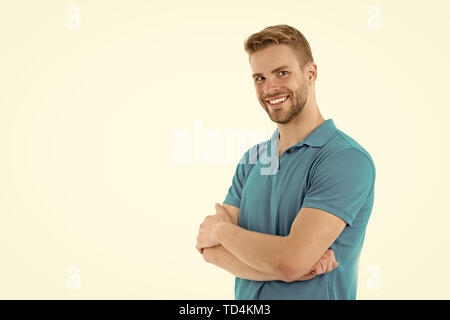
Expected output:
(277, 100)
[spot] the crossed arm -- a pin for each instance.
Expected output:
(222, 258)
(238, 259)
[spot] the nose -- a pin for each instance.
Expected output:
(271, 88)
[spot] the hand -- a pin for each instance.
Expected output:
(325, 264)
(206, 238)
(220, 210)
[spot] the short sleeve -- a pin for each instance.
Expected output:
(341, 184)
(234, 194)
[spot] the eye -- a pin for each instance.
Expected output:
(257, 78)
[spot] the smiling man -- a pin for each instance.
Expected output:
(275, 226)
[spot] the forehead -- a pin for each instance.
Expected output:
(265, 60)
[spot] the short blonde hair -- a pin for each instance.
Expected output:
(280, 34)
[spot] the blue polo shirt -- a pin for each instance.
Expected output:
(327, 170)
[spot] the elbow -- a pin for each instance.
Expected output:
(285, 273)
(290, 272)
(293, 263)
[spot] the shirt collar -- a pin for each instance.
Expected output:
(316, 138)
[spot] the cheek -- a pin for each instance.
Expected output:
(259, 92)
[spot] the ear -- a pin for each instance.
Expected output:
(312, 71)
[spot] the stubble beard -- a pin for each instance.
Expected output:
(292, 111)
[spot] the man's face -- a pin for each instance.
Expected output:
(277, 74)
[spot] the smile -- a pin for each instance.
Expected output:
(276, 103)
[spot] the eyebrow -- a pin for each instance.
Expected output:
(273, 71)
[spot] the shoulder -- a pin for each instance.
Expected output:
(342, 152)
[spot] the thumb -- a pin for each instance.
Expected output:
(219, 207)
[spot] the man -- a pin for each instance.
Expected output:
(318, 193)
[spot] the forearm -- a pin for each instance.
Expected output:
(260, 251)
(222, 258)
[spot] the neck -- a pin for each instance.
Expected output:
(300, 127)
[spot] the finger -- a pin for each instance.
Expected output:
(319, 267)
(313, 269)
(331, 255)
(324, 265)
(333, 259)
(199, 248)
(326, 262)
(308, 276)
(225, 216)
(199, 244)
(329, 264)
(219, 208)
(220, 213)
